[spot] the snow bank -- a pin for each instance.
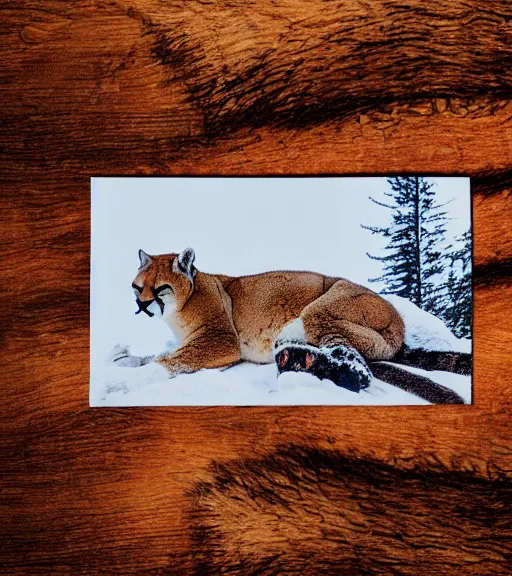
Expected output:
(248, 385)
(423, 330)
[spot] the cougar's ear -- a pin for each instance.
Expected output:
(144, 259)
(184, 263)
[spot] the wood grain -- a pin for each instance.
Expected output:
(90, 89)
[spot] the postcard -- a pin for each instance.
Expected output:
(281, 291)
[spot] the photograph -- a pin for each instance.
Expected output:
(280, 291)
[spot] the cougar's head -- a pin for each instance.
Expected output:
(164, 283)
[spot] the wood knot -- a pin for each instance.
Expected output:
(43, 31)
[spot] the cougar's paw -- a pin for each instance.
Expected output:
(348, 368)
(120, 356)
(342, 365)
(296, 358)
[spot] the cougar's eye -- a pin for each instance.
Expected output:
(163, 290)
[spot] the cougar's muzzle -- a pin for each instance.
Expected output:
(143, 307)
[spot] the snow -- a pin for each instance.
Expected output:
(424, 330)
(255, 385)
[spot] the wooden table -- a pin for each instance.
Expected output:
(286, 87)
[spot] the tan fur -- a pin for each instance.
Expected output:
(221, 320)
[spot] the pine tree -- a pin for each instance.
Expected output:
(458, 312)
(413, 258)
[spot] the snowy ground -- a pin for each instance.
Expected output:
(249, 384)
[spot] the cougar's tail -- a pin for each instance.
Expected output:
(414, 384)
(458, 362)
